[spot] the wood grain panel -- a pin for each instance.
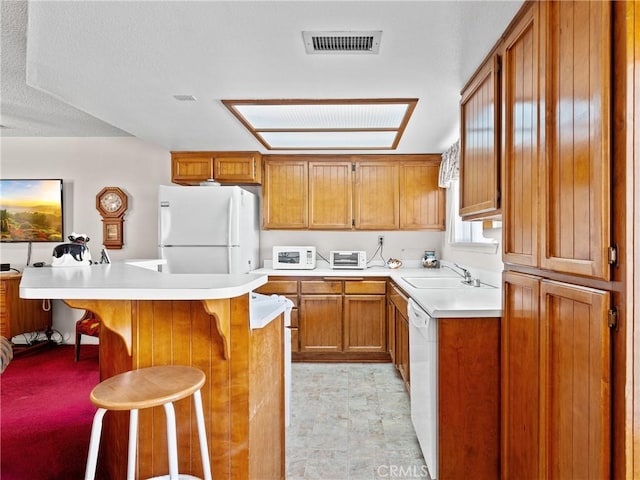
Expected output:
(422, 202)
(364, 323)
(20, 315)
(238, 167)
(330, 195)
(320, 323)
(285, 194)
(279, 287)
(190, 168)
(320, 286)
(520, 132)
(520, 359)
(377, 196)
(576, 200)
(479, 144)
(576, 381)
(468, 398)
(366, 286)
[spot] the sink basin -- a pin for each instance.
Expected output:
(432, 282)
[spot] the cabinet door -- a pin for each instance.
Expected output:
(391, 332)
(284, 194)
(191, 168)
(238, 167)
(402, 348)
(575, 217)
(320, 323)
(520, 359)
(364, 323)
(480, 144)
(330, 195)
(422, 202)
(520, 131)
(576, 382)
(18, 315)
(377, 196)
(469, 398)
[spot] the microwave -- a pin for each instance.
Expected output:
(294, 258)
(355, 259)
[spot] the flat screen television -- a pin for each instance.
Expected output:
(31, 210)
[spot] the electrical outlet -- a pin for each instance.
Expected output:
(380, 240)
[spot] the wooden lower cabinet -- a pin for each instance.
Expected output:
(469, 398)
(335, 318)
(18, 315)
(556, 380)
(364, 323)
(321, 323)
(398, 323)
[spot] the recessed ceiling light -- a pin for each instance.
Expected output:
(373, 124)
(185, 98)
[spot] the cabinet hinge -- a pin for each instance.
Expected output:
(613, 318)
(353, 167)
(613, 255)
(353, 222)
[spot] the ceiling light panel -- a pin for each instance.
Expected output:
(325, 124)
(324, 116)
(329, 140)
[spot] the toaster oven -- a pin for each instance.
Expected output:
(352, 259)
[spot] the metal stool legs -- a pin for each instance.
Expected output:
(172, 443)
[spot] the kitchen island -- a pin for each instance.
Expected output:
(202, 320)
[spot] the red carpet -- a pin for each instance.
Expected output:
(45, 416)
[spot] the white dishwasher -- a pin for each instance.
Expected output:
(423, 365)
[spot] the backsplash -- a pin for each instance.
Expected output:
(397, 244)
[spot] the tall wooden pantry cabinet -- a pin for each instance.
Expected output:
(558, 320)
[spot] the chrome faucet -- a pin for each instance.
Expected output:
(466, 274)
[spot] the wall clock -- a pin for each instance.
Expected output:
(111, 202)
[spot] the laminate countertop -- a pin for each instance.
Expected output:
(132, 281)
(462, 301)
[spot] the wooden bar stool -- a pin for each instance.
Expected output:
(146, 388)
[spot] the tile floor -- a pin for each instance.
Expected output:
(351, 422)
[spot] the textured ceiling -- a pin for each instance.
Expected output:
(123, 61)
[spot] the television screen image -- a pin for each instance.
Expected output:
(31, 210)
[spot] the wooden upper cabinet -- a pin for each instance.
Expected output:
(520, 159)
(480, 144)
(285, 193)
(422, 202)
(191, 168)
(576, 195)
(330, 195)
(377, 195)
(238, 167)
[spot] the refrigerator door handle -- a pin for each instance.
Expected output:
(229, 224)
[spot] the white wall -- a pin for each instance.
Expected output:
(402, 245)
(86, 165)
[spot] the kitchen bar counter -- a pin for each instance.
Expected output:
(463, 302)
(152, 318)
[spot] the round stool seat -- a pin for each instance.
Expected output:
(147, 387)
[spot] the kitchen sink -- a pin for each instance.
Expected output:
(434, 282)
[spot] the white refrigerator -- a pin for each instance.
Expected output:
(208, 229)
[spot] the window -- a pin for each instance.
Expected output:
(469, 235)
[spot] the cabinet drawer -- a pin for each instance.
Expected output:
(399, 300)
(321, 286)
(377, 287)
(279, 287)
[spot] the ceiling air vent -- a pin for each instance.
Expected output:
(342, 42)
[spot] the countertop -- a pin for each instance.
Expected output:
(462, 302)
(132, 281)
